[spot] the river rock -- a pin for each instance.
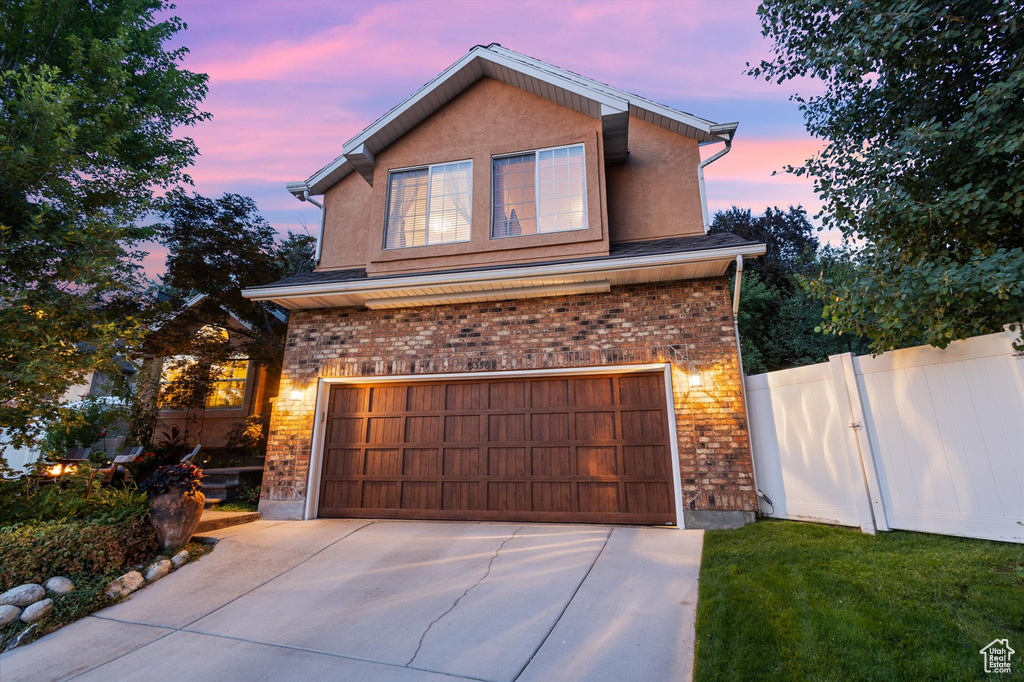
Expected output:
(156, 570)
(23, 595)
(36, 611)
(180, 559)
(125, 585)
(9, 614)
(58, 584)
(22, 636)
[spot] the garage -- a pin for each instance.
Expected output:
(583, 448)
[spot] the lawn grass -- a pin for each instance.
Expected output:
(791, 601)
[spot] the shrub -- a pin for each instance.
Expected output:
(35, 552)
(185, 477)
(73, 496)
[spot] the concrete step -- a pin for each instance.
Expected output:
(215, 520)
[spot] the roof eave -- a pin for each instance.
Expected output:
(470, 280)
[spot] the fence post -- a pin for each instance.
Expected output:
(863, 476)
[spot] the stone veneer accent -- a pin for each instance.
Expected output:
(678, 322)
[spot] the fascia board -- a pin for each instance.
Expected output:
(513, 273)
(410, 102)
(610, 91)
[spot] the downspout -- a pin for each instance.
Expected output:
(739, 357)
(700, 181)
(320, 234)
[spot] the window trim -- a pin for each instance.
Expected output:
(430, 176)
(536, 194)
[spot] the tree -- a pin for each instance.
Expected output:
(217, 248)
(923, 164)
(778, 317)
(91, 107)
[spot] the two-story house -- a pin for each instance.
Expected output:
(516, 314)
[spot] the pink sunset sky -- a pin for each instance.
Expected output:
(291, 81)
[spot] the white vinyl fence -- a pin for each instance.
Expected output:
(918, 439)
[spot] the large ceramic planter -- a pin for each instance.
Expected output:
(175, 517)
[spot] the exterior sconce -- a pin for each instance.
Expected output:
(297, 394)
(693, 374)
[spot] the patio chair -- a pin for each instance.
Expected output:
(74, 456)
(127, 456)
(190, 456)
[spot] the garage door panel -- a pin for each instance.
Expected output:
(553, 497)
(387, 398)
(599, 426)
(463, 429)
(464, 462)
(341, 494)
(346, 399)
(421, 495)
(347, 431)
(426, 397)
(507, 496)
(643, 425)
(647, 460)
(506, 428)
(384, 430)
(423, 429)
(509, 395)
(597, 461)
(383, 462)
(549, 393)
(560, 449)
(463, 495)
(421, 462)
(552, 461)
(593, 392)
(464, 396)
(643, 496)
(380, 494)
(598, 497)
(343, 462)
(508, 462)
(550, 428)
(641, 390)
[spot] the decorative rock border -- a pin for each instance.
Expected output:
(29, 602)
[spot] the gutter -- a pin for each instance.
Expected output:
(743, 377)
(603, 265)
(727, 135)
(301, 192)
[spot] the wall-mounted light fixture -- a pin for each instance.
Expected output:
(297, 394)
(693, 375)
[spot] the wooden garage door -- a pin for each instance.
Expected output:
(570, 448)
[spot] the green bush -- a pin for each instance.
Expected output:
(35, 552)
(73, 496)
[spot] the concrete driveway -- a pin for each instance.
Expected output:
(398, 600)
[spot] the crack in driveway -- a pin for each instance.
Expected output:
(463, 595)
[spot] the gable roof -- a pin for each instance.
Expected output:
(611, 105)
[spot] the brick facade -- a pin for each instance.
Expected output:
(679, 322)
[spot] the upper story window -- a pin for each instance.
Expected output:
(540, 191)
(432, 205)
